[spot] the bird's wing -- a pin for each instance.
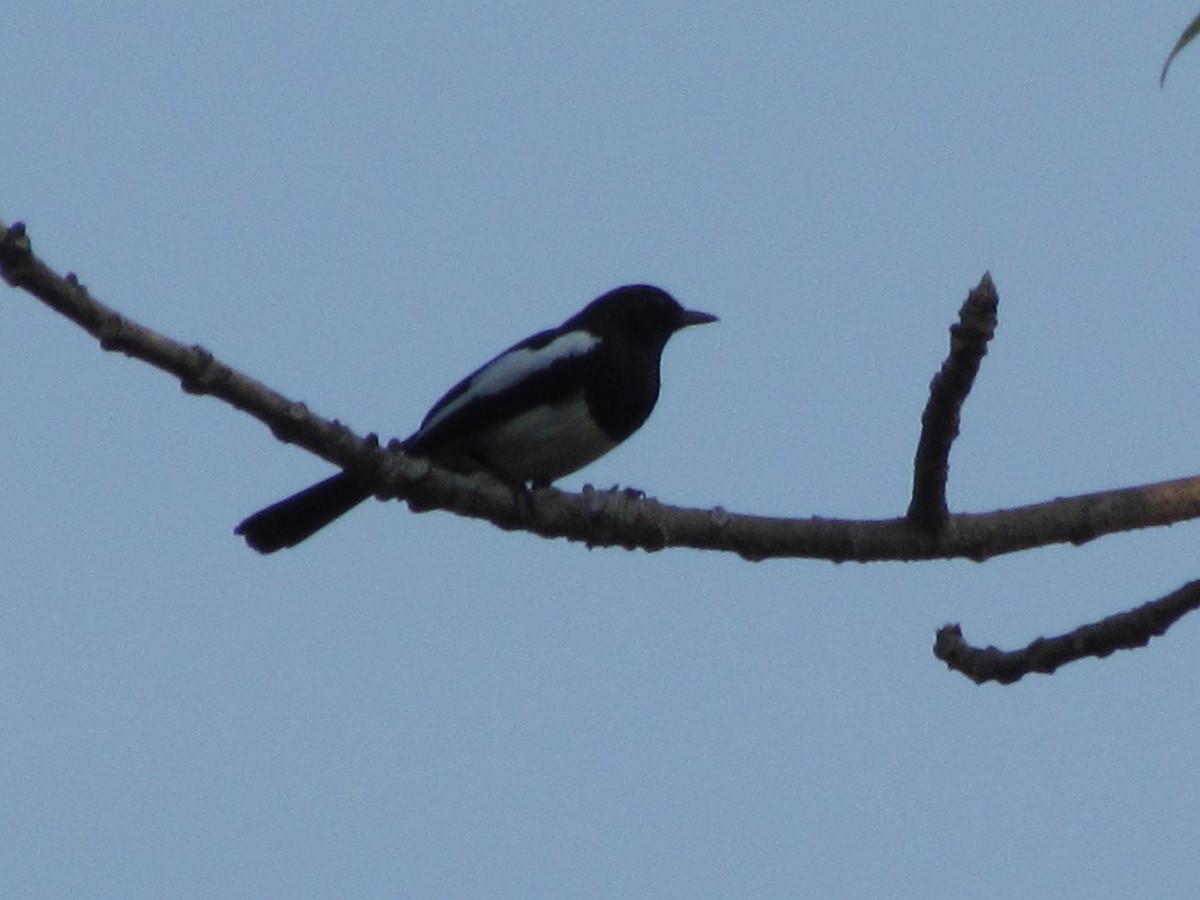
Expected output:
(545, 368)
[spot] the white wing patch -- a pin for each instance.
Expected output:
(509, 368)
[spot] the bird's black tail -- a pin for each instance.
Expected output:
(288, 522)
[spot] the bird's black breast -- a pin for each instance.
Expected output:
(621, 386)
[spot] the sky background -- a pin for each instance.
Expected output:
(358, 204)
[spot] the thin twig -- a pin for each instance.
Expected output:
(939, 423)
(1122, 631)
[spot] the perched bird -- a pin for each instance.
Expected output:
(540, 410)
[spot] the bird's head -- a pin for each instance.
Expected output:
(639, 311)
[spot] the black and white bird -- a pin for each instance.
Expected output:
(540, 410)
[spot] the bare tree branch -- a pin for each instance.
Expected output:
(625, 518)
(1122, 631)
(600, 518)
(939, 423)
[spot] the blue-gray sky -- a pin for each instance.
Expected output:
(358, 204)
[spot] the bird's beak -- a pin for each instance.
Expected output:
(695, 317)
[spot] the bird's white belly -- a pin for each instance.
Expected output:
(546, 442)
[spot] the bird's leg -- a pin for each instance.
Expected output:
(524, 496)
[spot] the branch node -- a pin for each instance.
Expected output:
(290, 426)
(110, 329)
(204, 372)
